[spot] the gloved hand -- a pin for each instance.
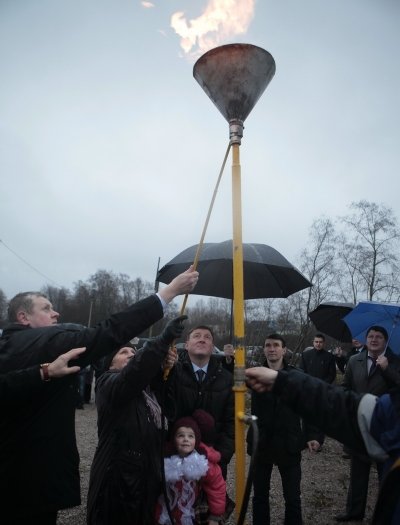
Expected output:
(173, 330)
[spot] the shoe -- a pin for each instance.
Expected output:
(348, 517)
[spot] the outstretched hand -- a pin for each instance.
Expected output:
(181, 284)
(173, 330)
(59, 367)
(260, 378)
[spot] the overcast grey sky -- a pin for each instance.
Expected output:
(109, 149)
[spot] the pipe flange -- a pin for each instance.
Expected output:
(235, 131)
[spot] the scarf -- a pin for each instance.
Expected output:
(154, 407)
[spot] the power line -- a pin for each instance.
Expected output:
(30, 265)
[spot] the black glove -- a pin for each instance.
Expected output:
(173, 330)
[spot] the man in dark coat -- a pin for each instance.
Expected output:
(374, 371)
(19, 385)
(125, 479)
(200, 381)
(39, 461)
(363, 422)
(281, 441)
(356, 348)
(317, 362)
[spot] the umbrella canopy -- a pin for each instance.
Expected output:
(369, 313)
(266, 273)
(328, 318)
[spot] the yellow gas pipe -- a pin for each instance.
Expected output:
(238, 328)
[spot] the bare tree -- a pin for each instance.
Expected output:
(369, 252)
(82, 303)
(133, 291)
(59, 298)
(318, 264)
(3, 306)
(104, 290)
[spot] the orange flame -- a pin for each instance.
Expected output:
(221, 20)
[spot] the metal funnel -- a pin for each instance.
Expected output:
(235, 76)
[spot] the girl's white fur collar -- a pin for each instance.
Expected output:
(192, 467)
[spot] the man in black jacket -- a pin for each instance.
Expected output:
(317, 362)
(363, 422)
(39, 460)
(200, 381)
(281, 440)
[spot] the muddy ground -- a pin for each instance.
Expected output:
(324, 480)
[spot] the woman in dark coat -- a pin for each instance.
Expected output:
(126, 472)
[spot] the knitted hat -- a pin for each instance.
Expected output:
(206, 424)
(188, 422)
(105, 362)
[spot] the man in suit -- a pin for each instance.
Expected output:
(356, 348)
(199, 380)
(375, 371)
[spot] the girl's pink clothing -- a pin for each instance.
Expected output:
(185, 477)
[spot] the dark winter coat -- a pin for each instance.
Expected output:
(126, 471)
(39, 461)
(328, 407)
(363, 423)
(213, 395)
(379, 382)
(18, 385)
(319, 363)
(281, 436)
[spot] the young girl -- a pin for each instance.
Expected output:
(191, 467)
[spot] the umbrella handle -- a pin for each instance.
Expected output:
(172, 347)
(167, 369)
(200, 245)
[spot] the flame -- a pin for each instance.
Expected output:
(221, 20)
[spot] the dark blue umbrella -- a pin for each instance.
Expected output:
(369, 313)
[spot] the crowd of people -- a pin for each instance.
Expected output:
(165, 440)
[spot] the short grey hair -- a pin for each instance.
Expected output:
(22, 301)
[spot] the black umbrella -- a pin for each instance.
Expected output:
(327, 318)
(266, 273)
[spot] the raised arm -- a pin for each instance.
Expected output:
(326, 406)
